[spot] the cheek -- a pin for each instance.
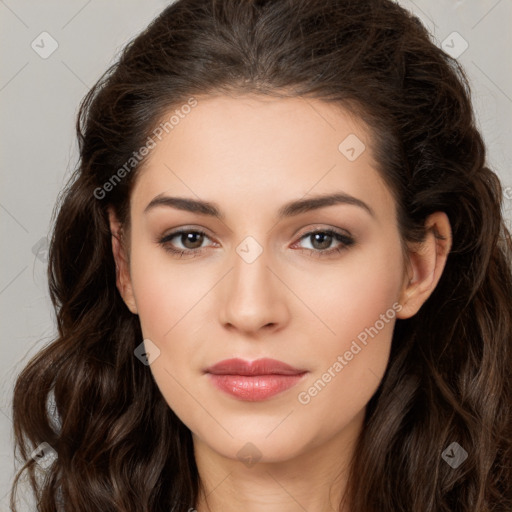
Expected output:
(352, 296)
(167, 300)
(165, 291)
(358, 307)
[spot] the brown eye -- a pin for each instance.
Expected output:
(321, 241)
(191, 241)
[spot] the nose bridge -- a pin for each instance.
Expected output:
(253, 295)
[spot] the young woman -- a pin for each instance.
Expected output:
(281, 275)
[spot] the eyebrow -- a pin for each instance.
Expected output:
(288, 210)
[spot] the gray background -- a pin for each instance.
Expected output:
(39, 98)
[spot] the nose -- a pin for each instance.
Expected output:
(253, 297)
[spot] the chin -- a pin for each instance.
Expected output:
(252, 443)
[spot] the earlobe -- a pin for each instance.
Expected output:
(426, 264)
(123, 279)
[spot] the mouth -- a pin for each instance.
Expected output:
(254, 381)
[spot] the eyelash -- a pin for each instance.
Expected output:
(346, 242)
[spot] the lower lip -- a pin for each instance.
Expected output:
(255, 387)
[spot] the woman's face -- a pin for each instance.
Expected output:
(259, 283)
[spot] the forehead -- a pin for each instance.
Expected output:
(255, 149)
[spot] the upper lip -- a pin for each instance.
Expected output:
(265, 366)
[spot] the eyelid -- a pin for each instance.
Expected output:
(312, 228)
(163, 239)
(343, 237)
(181, 229)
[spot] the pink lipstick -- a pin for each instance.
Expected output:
(256, 380)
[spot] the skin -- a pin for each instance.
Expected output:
(250, 155)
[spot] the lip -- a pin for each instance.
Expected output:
(254, 381)
(264, 366)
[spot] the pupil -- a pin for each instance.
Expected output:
(189, 237)
(325, 237)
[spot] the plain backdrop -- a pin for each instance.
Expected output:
(52, 52)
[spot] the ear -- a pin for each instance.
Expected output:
(119, 250)
(427, 260)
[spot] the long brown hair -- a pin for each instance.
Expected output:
(119, 446)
